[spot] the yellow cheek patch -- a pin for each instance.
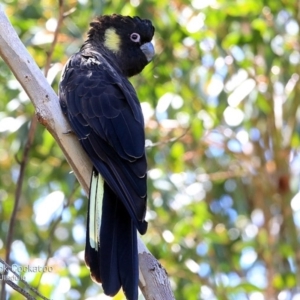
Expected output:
(112, 40)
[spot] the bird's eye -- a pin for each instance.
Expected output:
(135, 37)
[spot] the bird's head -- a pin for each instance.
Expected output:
(127, 39)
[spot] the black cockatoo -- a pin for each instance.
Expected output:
(105, 114)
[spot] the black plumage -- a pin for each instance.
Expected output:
(105, 114)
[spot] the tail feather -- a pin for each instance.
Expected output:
(109, 244)
(113, 260)
(92, 260)
(128, 256)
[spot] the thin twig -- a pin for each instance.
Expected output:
(61, 16)
(17, 276)
(18, 289)
(19, 187)
(12, 221)
(171, 140)
(223, 175)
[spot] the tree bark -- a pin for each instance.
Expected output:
(154, 282)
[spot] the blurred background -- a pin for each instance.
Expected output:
(221, 106)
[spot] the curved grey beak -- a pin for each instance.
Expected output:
(148, 50)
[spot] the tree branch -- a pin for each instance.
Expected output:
(49, 114)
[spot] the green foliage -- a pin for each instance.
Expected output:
(221, 103)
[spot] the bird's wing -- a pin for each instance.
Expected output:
(105, 114)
